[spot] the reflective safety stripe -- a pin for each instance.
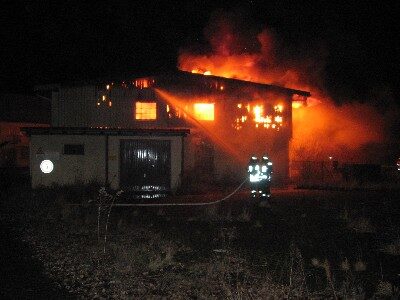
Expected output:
(254, 178)
(269, 163)
(250, 168)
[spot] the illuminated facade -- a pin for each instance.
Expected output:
(134, 160)
(229, 120)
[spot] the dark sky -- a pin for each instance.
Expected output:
(52, 41)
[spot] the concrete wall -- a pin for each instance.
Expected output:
(90, 167)
(68, 169)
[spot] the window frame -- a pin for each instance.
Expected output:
(141, 111)
(74, 149)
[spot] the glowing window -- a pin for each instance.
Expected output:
(146, 111)
(204, 111)
(143, 83)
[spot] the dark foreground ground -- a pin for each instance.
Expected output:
(309, 243)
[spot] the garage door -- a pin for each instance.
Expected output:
(145, 165)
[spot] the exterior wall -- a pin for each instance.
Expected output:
(68, 169)
(14, 145)
(231, 169)
(72, 106)
(76, 106)
(90, 167)
(232, 149)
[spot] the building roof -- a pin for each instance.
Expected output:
(271, 87)
(106, 131)
(177, 74)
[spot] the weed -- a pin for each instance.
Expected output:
(360, 266)
(384, 289)
(361, 225)
(392, 248)
(345, 265)
(161, 253)
(245, 215)
(210, 212)
(297, 276)
(104, 202)
(326, 266)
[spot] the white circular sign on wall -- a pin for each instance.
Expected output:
(46, 166)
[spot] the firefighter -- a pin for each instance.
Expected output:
(253, 169)
(266, 177)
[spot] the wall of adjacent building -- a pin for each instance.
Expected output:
(90, 167)
(68, 169)
(14, 145)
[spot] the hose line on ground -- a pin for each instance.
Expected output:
(184, 204)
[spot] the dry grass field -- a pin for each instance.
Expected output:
(306, 244)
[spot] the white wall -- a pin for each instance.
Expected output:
(70, 169)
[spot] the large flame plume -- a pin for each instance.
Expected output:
(321, 129)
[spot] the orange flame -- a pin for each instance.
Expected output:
(335, 129)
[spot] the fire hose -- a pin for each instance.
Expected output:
(184, 204)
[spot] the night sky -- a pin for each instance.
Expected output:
(54, 41)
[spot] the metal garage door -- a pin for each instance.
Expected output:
(145, 165)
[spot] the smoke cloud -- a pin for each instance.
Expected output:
(320, 129)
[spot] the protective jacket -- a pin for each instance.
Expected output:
(266, 168)
(254, 170)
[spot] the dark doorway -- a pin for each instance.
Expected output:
(204, 158)
(145, 165)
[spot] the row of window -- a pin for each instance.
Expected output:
(146, 111)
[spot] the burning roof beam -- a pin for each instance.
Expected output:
(255, 84)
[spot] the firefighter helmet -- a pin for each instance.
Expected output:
(253, 160)
(253, 165)
(265, 159)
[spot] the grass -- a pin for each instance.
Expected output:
(311, 245)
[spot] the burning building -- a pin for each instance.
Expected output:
(142, 124)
